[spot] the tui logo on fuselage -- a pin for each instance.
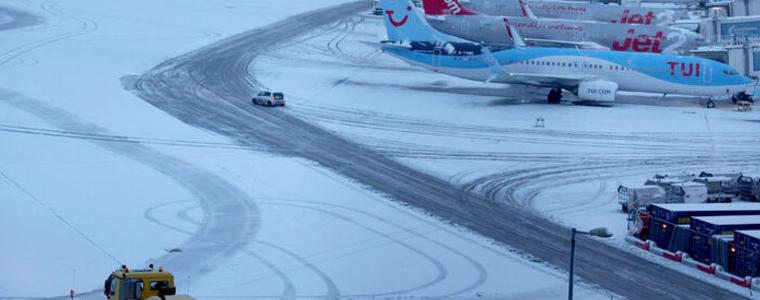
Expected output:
(398, 23)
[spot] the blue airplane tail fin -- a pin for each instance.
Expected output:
(404, 22)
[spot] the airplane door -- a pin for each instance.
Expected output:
(576, 67)
(580, 36)
(583, 67)
(436, 57)
(707, 74)
(464, 27)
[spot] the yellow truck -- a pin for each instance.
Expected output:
(146, 284)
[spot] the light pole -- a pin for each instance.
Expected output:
(600, 232)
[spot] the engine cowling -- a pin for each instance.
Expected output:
(598, 90)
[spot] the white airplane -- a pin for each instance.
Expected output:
(590, 75)
(451, 17)
(581, 10)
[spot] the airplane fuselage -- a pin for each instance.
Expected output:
(618, 37)
(579, 11)
(634, 72)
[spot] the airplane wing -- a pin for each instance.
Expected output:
(567, 80)
(497, 71)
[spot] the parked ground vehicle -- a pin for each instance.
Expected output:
(680, 189)
(687, 192)
(748, 188)
(269, 98)
(376, 9)
(665, 181)
(744, 106)
(730, 184)
(632, 197)
(719, 189)
(742, 97)
(126, 284)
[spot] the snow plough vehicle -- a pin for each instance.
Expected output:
(145, 284)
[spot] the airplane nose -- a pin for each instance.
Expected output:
(696, 40)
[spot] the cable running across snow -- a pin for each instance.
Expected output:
(61, 218)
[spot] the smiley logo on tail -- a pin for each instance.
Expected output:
(398, 23)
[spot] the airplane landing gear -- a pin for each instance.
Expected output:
(710, 104)
(555, 96)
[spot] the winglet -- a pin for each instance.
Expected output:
(446, 7)
(526, 11)
(513, 34)
(493, 65)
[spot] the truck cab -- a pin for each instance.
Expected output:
(719, 189)
(748, 188)
(126, 284)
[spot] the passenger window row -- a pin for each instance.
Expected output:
(573, 64)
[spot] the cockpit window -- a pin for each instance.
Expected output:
(157, 285)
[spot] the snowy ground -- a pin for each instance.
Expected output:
(93, 177)
(466, 131)
(484, 136)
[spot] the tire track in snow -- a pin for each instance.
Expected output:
(18, 18)
(666, 142)
(523, 189)
(478, 267)
(401, 233)
(231, 217)
(84, 26)
(289, 291)
(103, 137)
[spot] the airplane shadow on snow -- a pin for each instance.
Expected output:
(520, 95)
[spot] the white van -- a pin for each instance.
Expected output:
(269, 98)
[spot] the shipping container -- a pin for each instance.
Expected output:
(704, 228)
(666, 216)
(723, 252)
(680, 239)
(747, 249)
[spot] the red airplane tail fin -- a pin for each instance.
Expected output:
(446, 7)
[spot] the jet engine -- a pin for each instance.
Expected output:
(598, 90)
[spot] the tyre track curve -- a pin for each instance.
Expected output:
(396, 237)
(83, 27)
(231, 216)
(19, 18)
(289, 290)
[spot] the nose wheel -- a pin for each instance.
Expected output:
(555, 96)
